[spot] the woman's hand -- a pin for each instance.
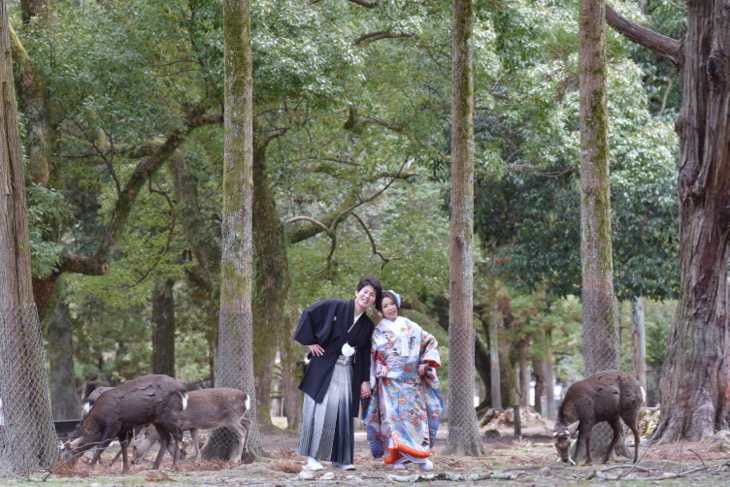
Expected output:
(365, 390)
(422, 368)
(316, 350)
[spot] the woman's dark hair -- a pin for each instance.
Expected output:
(386, 294)
(371, 281)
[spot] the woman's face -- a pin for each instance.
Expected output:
(390, 310)
(365, 298)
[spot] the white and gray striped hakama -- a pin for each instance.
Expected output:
(327, 430)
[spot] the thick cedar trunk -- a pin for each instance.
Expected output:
(65, 403)
(163, 320)
(463, 436)
(694, 383)
(693, 387)
(25, 397)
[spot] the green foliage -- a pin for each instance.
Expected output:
(46, 212)
(527, 193)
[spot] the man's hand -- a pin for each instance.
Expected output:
(316, 350)
(365, 390)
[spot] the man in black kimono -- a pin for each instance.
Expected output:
(338, 334)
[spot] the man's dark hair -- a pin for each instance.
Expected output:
(371, 281)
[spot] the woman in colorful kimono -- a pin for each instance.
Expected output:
(405, 408)
(338, 335)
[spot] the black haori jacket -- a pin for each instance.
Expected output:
(326, 323)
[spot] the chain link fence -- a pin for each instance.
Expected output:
(234, 368)
(28, 440)
(462, 421)
(601, 351)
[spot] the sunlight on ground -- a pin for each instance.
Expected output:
(280, 422)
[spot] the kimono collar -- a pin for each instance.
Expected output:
(399, 328)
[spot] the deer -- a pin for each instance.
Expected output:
(207, 409)
(605, 396)
(157, 399)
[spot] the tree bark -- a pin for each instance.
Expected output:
(694, 382)
(234, 364)
(163, 320)
(463, 438)
(600, 319)
(22, 361)
(271, 320)
(600, 314)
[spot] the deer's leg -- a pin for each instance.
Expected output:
(584, 431)
(123, 449)
(105, 440)
(164, 441)
(246, 423)
(616, 427)
(194, 435)
(631, 418)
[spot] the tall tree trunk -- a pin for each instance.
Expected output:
(550, 375)
(600, 319)
(638, 340)
(23, 376)
(271, 321)
(600, 314)
(463, 436)
(163, 320)
(694, 382)
(234, 364)
(524, 374)
(538, 370)
(65, 403)
(292, 373)
(204, 246)
(495, 323)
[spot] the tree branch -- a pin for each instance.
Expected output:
(376, 36)
(667, 47)
(365, 4)
(331, 220)
(372, 240)
(144, 169)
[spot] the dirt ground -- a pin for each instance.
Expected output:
(526, 460)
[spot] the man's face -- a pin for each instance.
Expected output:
(365, 297)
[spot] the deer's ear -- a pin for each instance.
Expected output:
(573, 427)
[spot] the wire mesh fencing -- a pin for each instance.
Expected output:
(463, 426)
(601, 351)
(28, 440)
(234, 364)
